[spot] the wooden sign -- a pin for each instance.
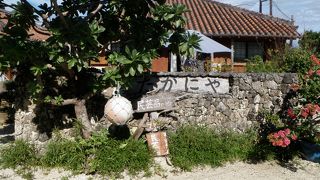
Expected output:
(157, 141)
(155, 103)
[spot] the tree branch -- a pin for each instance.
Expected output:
(94, 12)
(65, 102)
(56, 7)
(7, 5)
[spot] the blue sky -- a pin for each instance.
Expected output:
(306, 12)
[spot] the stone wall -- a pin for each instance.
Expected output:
(221, 100)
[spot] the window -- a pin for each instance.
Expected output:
(246, 50)
(255, 48)
(240, 50)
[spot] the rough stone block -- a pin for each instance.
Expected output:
(271, 85)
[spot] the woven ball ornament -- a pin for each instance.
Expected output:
(118, 110)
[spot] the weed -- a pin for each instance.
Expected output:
(24, 172)
(98, 154)
(18, 153)
(27, 175)
(65, 178)
(64, 153)
(116, 156)
(193, 146)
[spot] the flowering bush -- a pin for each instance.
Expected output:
(305, 121)
(282, 138)
(301, 120)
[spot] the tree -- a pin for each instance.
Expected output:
(57, 71)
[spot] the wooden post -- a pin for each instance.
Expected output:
(270, 7)
(232, 55)
(141, 127)
(260, 6)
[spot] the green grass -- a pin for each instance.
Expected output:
(189, 146)
(64, 153)
(195, 146)
(116, 156)
(98, 154)
(18, 153)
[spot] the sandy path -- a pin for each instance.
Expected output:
(302, 170)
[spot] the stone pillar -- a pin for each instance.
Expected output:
(24, 127)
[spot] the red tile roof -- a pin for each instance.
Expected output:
(219, 19)
(32, 33)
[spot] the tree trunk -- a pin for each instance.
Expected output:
(82, 116)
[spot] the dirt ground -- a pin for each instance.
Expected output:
(296, 170)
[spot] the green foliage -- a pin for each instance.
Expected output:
(64, 153)
(19, 153)
(86, 31)
(114, 157)
(130, 64)
(310, 83)
(194, 146)
(310, 41)
(294, 60)
(191, 43)
(256, 65)
(98, 154)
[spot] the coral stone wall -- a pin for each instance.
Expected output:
(222, 100)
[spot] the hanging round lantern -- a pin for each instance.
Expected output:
(118, 110)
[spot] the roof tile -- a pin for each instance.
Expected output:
(219, 19)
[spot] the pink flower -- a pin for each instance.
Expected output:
(281, 133)
(315, 60)
(294, 137)
(304, 112)
(276, 135)
(317, 107)
(287, 131)
(318, 72)
(291, 113)
(310, 72)
(279, 143)
(286, 141)
(313, 108)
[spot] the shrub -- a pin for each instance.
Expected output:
(292, 60)
(256, 65)
(18, 153)
(301, 119)
(193, 146)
